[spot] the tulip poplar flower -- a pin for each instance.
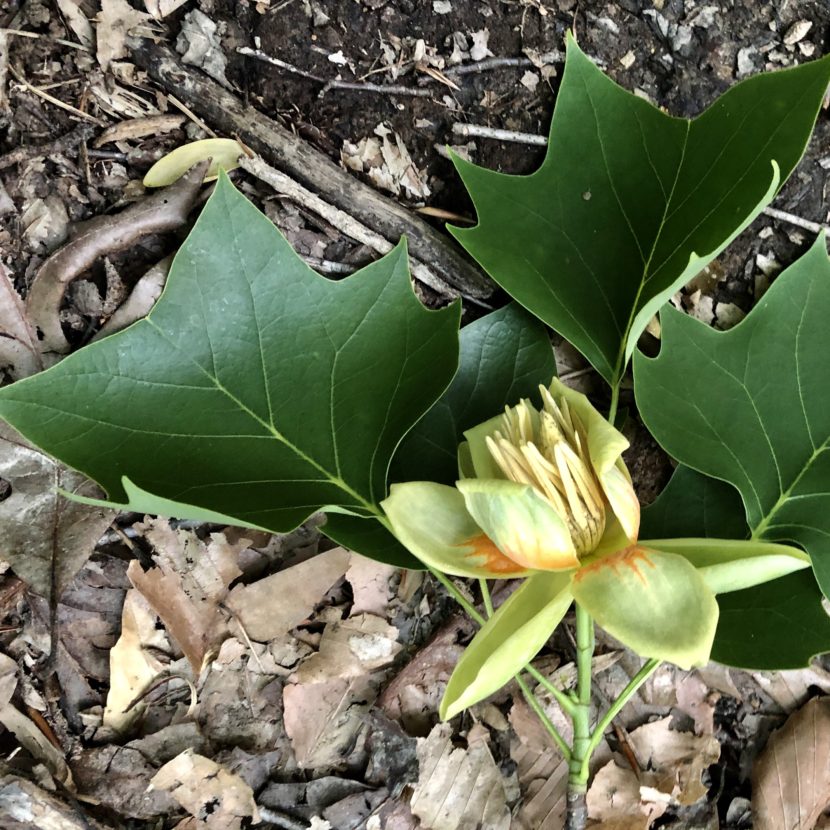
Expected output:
(545, 494)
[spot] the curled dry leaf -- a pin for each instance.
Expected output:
(458, 789)
(222, 153)
(297, 590)
(77, 21)
(133, 664)
(208, 791)
(161, 8)
(791, 779)
(19, 351)
(116, 20)
(163, 211)
(43, 535)
(188, 584)
(133, 128)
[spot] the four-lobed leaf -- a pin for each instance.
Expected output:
(631, 203)
(255, 391)
(751, 405)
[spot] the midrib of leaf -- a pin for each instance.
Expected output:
(270, 428)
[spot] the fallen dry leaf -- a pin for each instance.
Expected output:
(132, 128)
(24, 730)
(163, 211)
(614, 801)
(791, 689)
(77, 21)
(351, 648)
(542, 773)
(116, 20)
(370, 585)
(458, 789)
(133, 664)
(208, 791)
(323, 719)
(274, 605)
(19, 352)
(43, 535)
(161, 8)
(188, 584)
(198, 44)
(791, 779)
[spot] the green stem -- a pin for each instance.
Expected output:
(457, 595)
(627, 693)
(567, 705)
(578, 777)
(615, 401)
(485, 595)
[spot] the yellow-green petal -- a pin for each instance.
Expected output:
(223, 152)
(482, 462)
(508, 641)
(656, 603)
(432, 521)
(524, 526)
(732, 565)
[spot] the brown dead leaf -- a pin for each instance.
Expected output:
(542, 773)
(19, 352)
(161, 8)
(458, 789)
(24, 730)
(116, 20)
(791, 779)
(351, 648)
(208, 791)
(791, 689)
(43, 535)
(133, 664)
(163, 211)
(276, 604)
(132, 128)
(614, 801)
(370, 585)
(323, 720)
(188, 584)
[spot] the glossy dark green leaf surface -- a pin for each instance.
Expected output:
(631, 203)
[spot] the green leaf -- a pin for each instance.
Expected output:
(751, 406)
(509, 640)
(655, 603)
(695, 505)
(504, 357)
(774, 626)
(255, 388)
(631, 203)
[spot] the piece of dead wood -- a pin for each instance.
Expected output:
(19, 352)
(341, 220)
(791, 779)
(166, 210)
(68, 141)
(27, 805)
(311, 168)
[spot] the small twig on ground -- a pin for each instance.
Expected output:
(486, 65)
(480, 131)
(191, 115)
(36, 35)
(806, 224)
(55, 101)
(68, 141)
(339, 219)
(357, 86)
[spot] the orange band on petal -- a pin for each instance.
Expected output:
(486, 555)
(632, 558)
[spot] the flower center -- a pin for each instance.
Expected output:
(548, 450)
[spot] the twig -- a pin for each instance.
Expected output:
(480, 131)
(486, 65)
(22, 33)
(782, 215)
(339, 219)
(55, 101)
(65, 142)
(334, 83)
(311, 168)
(191, 115)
